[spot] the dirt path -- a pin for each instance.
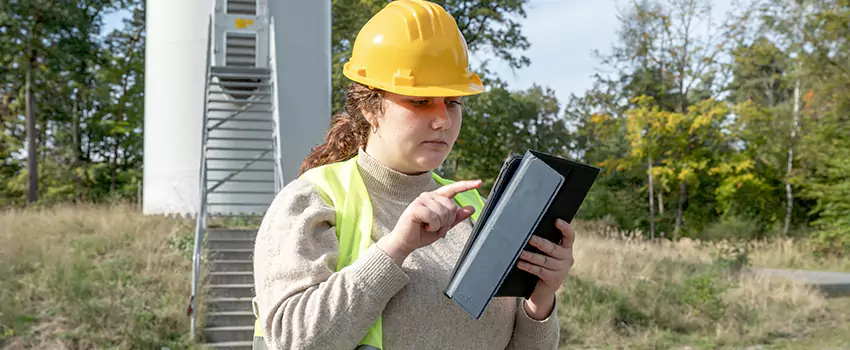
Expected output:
(833, 284)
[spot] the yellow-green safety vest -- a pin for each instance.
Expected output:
(342, 187)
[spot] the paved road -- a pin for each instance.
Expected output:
(831, 283)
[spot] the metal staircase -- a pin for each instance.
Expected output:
(229, 322)
(240, 173)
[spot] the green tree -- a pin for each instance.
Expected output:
(502, 122)
(71, 87)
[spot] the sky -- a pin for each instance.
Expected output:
(563, 35)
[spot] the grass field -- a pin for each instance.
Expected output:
(94, 277)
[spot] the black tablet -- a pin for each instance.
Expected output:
(530, 193)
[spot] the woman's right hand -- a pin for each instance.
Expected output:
(428, 218)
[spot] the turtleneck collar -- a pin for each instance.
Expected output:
(383, 181)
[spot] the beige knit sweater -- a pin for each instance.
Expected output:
(304, 304)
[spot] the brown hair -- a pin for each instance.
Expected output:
(349, 129)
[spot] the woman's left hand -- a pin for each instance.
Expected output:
(552, 267)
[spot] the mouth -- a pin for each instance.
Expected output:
(436, 143)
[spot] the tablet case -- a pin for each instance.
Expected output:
(530, 193)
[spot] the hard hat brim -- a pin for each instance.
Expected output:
(454, 90)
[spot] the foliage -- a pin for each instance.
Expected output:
(722, 141)
(88, 96)
(501, 122)
(703, 129)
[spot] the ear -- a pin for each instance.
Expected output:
(370, 117)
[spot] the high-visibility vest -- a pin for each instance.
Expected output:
(342, 187)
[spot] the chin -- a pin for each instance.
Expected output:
(428, 160)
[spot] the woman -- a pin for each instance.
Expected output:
(409, 68)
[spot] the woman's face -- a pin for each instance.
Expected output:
(415, 134)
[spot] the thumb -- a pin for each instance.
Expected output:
(463, 214)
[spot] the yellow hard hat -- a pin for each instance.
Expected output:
(413, 48)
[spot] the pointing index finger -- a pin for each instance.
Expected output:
(454, 188)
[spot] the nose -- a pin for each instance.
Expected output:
(441, 113)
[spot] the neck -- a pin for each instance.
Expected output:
(383, 180)
(389, 161)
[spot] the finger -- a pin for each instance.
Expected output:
(444, 212)
(568, 232)
(537, 270)
(428, 217)
(463, 214)
(542, 260)
(452, 189)
(443, 231)
(548, 247)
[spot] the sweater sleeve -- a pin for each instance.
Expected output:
(303, 303)
(535, 334)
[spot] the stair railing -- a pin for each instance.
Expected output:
(201, 224)
(278, 152)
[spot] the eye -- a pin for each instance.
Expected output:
(454, 103)
(420, 103)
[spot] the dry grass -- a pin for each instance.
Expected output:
(93, 277)
(629, 293)
(794, 254)
(107, 277)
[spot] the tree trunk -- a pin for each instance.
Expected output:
(114, 174)
(651, 197)
(76, 150)
(683, 196)
(789, 195)
(32, 145)
(660, 203)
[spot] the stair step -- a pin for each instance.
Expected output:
(244, 120)
(241, 170)
(240, 101)
(242, 84)
(250, 70)
(222, 233)
(233, 159)
(244, 192)
(232, 265)
(253, 149)
(239, 109)
(234, 128)
(231, 277)
(238, 204)
(229, 75)
(232, 254)
(239, 180)
(229, 318)
(232, 290)
(230, 304)
(229, 138)
(235, 345)
(229, 334)
(237, 92)
(217, 244)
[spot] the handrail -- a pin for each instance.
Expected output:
(202, 189)
(278, 152)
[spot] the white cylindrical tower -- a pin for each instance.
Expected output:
(303, 46)
(174, 94)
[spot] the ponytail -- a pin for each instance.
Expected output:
(349, 130)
